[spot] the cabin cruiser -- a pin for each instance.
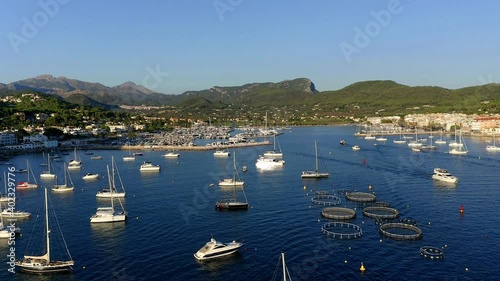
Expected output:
(90, 176)
(264, 162)
(149, 167)
(443, 175)
(221, 153)
(215, 249)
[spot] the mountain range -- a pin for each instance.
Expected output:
(361, 97)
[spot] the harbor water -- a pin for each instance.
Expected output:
(172, 213)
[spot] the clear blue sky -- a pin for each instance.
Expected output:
(443, 43)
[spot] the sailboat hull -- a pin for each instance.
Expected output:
(52, 267)
(111, 218)
(231, 206)
(314, 175)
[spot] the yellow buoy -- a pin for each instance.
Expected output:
(305, 187)
(362, 268)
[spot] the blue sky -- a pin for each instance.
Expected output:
(197, 44)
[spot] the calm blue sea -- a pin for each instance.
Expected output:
(172, 214)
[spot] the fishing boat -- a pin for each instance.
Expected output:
(171, 154)
(274, 152)
(316, 173)
(64, 187)
(74, 163)
(28, 184)
(48, 174)
(215, 249)
(44, 264)
(90, 176)
(108, 214)
(443, 175)
(460, 149)
(112, 190)
(149, 167)
(235, 183)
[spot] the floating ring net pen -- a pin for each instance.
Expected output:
(401, 231)
(342, 230)
(326, 200)
(431, 252)
(360, 197)
(380, 212)
(338, 213)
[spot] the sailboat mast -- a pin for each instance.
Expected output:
(47, 225)
(284, 267)
(28, 169)
(316, 152)
(48, 161)
(110, 186)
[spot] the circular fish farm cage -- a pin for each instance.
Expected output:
(321, 192)
(360, 197)
(326, 200)
(342, 230)
(380, 212)
(338, 213)
(431, 252)
(401, 231)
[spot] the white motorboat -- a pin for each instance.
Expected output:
(356, 147)
(27, 184)
(106, 192)
(223, 153)
(5, 231)
(14, 214)
(265, 162)
(44, 264)
(171, 154)
(64, 187)
(149, 167)
(90, 176)
(215, 249)
(108, 214)
(443, 175)
(315, 174)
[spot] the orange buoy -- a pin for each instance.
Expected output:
(362, 268)
(462, 209)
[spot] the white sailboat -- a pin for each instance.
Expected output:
(64, 187)
(28, 183)
(5, 196)
(494, 147)
(401, 139)
(44, 264)
(315, 173)
(108, 214)
(440, 140)
(5, 232)
(112, 191)
(130, 156)
(274, 153)
(234, 181)
(455, 143)
(48, 174)
(415, 143)
(74, 163)
(460, 149)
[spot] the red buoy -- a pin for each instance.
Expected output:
(461, 209)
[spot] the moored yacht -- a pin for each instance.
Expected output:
(265, 162)
(222, 153)
(443, 175)
(215, 249)
(149, 167)
(171, 154)
(90, 176)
